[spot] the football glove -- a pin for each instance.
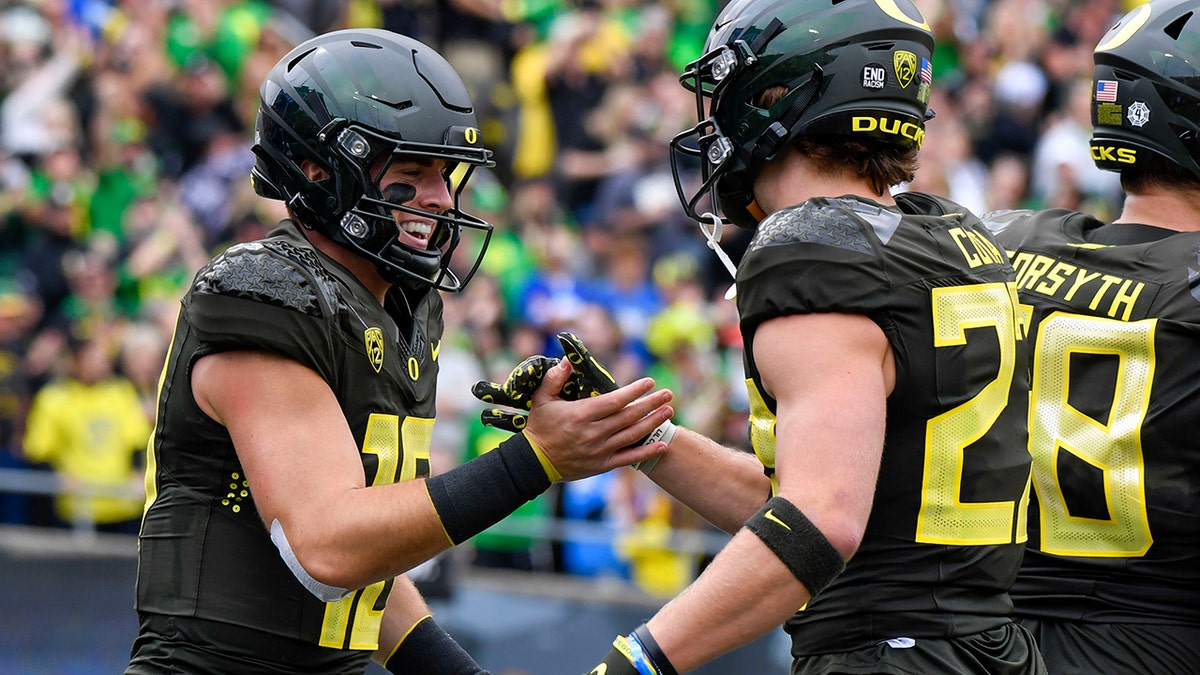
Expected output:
(516, 392)
(588, 378)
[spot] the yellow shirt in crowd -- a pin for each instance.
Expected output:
(91, 435)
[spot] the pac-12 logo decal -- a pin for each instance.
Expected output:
(373, 338)
(906, 67)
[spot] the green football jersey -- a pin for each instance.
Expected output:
(204, 550)
(944, 539)
(1113, 317)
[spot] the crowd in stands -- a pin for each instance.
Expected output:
(125, 133)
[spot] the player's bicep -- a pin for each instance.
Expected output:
(830, 375)
(287, 428)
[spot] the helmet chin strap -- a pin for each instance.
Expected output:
(712, 236)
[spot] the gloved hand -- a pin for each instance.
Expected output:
(588, 378)
(516, 392)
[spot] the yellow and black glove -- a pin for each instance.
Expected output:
(588, 378)
(516, 393)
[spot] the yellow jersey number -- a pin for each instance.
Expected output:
(944, 518)
(1113, 446)
(359, 615)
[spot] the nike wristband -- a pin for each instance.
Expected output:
(475, 495)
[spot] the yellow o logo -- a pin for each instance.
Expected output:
(414, 369)
(1137, 19)
(890, 8)
(472, 135)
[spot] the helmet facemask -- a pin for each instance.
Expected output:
(369, 225)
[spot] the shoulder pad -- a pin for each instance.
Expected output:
(275, 273)
(825, 222)
(998, 221)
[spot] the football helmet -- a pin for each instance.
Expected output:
(353, 101)
(1146, 87)
(856, 68)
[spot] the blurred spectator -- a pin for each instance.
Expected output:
(1063, 173)
(554, 297)
(1008, 184)
(43, 63)
(142, 351)
(91, 428)
(19, 312)
(51, 241)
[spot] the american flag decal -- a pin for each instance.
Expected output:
(926, 71)
(1106, 90)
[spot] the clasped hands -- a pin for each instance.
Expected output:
(513, 400)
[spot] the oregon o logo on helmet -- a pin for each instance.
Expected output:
(471, 134)
(1120, 34)
(893, 10)
(891, 127)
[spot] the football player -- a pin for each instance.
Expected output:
(288, 485)
(1111, 577)
(883, 519)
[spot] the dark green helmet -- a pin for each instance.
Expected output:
(352, 101)
(1146, 88)
(858, 68)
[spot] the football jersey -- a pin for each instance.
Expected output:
(944, 539)
(204, 550)
(1113, 316)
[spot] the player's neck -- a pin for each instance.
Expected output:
(1163, 207)
(794, 178)
(363, 269)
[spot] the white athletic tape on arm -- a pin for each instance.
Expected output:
(324, 592)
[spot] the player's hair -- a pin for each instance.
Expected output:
(1155, 171)
(881, 164)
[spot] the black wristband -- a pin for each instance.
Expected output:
(801, 546)
(475, 495)
(653, 652)
(429, 650)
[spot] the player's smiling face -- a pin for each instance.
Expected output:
(427, 177)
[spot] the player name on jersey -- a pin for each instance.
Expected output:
(1101, 292)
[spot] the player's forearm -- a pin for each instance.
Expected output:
(366, 535)
(723, 485)
(745, 593)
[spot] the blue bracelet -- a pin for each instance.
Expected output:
(650, 657)
(640, 660)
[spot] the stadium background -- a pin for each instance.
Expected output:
(124, 154)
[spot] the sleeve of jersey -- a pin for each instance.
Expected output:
(811, 259)
(256, 299)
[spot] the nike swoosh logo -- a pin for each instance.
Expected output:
(435, 349)
(770, 515)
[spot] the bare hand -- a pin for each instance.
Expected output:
(595, 434)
